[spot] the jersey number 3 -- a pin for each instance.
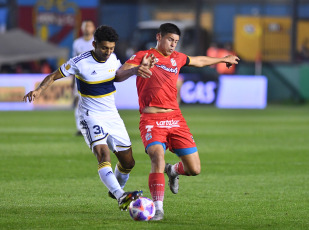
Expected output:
(98, 129)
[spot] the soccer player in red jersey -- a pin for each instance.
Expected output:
(162, 125)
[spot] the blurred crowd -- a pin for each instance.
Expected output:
(41, 66)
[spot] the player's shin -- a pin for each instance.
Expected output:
(156, 186)
(108, 178)
(122, 174)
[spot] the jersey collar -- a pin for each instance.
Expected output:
(93, 55)
(161, 53)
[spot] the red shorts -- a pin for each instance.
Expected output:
(168, 129)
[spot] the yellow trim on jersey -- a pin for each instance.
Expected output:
(93, 55)
(61, 72)
(189, 60)
(98, 96)
(94, 82)
(104, 164)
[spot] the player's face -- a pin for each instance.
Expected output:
(103, 49)
(87, 28)
(167, 44)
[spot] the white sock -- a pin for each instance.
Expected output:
(108, 178)
(159, 205)
(121, 177)
(173, 171)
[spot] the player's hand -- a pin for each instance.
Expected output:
(143, 71)
(149, 61)
(230, 60)
(31, 96)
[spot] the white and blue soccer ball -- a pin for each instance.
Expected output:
(142, 209)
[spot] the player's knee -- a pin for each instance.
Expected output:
(157, 159)
(194, 171)
(127, 164)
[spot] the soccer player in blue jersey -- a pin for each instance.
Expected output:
(101, 125)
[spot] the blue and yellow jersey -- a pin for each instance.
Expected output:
(95, 81)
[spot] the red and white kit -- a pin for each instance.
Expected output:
(169, 129)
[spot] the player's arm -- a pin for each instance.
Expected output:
(142, 70)
(48, 80)
(201, 61)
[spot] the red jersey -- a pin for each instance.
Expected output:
(160, 89)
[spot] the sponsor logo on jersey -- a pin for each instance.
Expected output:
(148, 136)
(133, 56)
(168, 124)
(171, 70)
(67, 67)
(148, 127)
(173, 61)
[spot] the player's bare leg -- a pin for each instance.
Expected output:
(189, 165)
(156, 178)
(107, 176)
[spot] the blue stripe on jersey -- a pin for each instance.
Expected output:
(96, 90)
(82, 56)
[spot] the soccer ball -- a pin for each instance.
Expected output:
(142, 209)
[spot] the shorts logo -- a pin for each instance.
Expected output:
(173, 62)
(148, 136)
(168, 124)
(131, 58)
(148, 127)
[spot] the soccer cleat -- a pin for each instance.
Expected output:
(111, 195)
(159, 215)
(125, 200)
(173, 181)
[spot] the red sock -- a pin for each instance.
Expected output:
(178, 167)
(156, 184)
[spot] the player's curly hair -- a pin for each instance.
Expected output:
(105, 33)
(169, 28)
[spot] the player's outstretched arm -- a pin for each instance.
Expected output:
(142, 70)
(48, 80)
(201, 61)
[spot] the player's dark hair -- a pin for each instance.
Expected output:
(169, 28)
(105, 33)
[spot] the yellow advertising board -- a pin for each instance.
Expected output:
(247, 37)
(263, 38)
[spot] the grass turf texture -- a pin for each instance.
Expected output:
(255, 173)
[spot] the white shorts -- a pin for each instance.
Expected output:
(110, 130)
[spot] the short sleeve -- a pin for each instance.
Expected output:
(68, 68)
(185, 59)
(136, 59)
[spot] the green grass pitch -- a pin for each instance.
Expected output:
(255, 173)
